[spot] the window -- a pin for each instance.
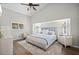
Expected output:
(14, 26)
(17, 26)
(36, 27)
(21, 26)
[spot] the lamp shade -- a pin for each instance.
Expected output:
(0, 10)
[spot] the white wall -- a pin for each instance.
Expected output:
(78, 24)
(9, 16)
(60, 11)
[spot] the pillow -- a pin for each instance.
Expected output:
(51, 33)
(45, 32)
(41, 32)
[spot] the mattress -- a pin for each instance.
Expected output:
(41, 40)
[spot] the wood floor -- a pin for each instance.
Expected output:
(70, 51)
(66, 51)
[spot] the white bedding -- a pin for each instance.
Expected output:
(41, 40)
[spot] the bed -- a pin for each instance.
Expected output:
(41, 40)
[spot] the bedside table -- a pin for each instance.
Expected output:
(66, 40)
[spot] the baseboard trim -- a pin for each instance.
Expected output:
(75, 46)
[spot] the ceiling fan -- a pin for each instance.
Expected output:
(31, 5)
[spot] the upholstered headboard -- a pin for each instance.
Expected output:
(48, 29)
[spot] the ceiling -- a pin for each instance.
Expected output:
(23, 9)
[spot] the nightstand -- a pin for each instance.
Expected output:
(66, 40)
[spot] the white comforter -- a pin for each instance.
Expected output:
(41, 40)
(48, 38)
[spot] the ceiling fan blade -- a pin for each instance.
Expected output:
(24, 4)
(34, 8)
(35, 4)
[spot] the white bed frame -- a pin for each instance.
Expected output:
(40, 42)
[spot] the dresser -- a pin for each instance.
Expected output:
(66, 40)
